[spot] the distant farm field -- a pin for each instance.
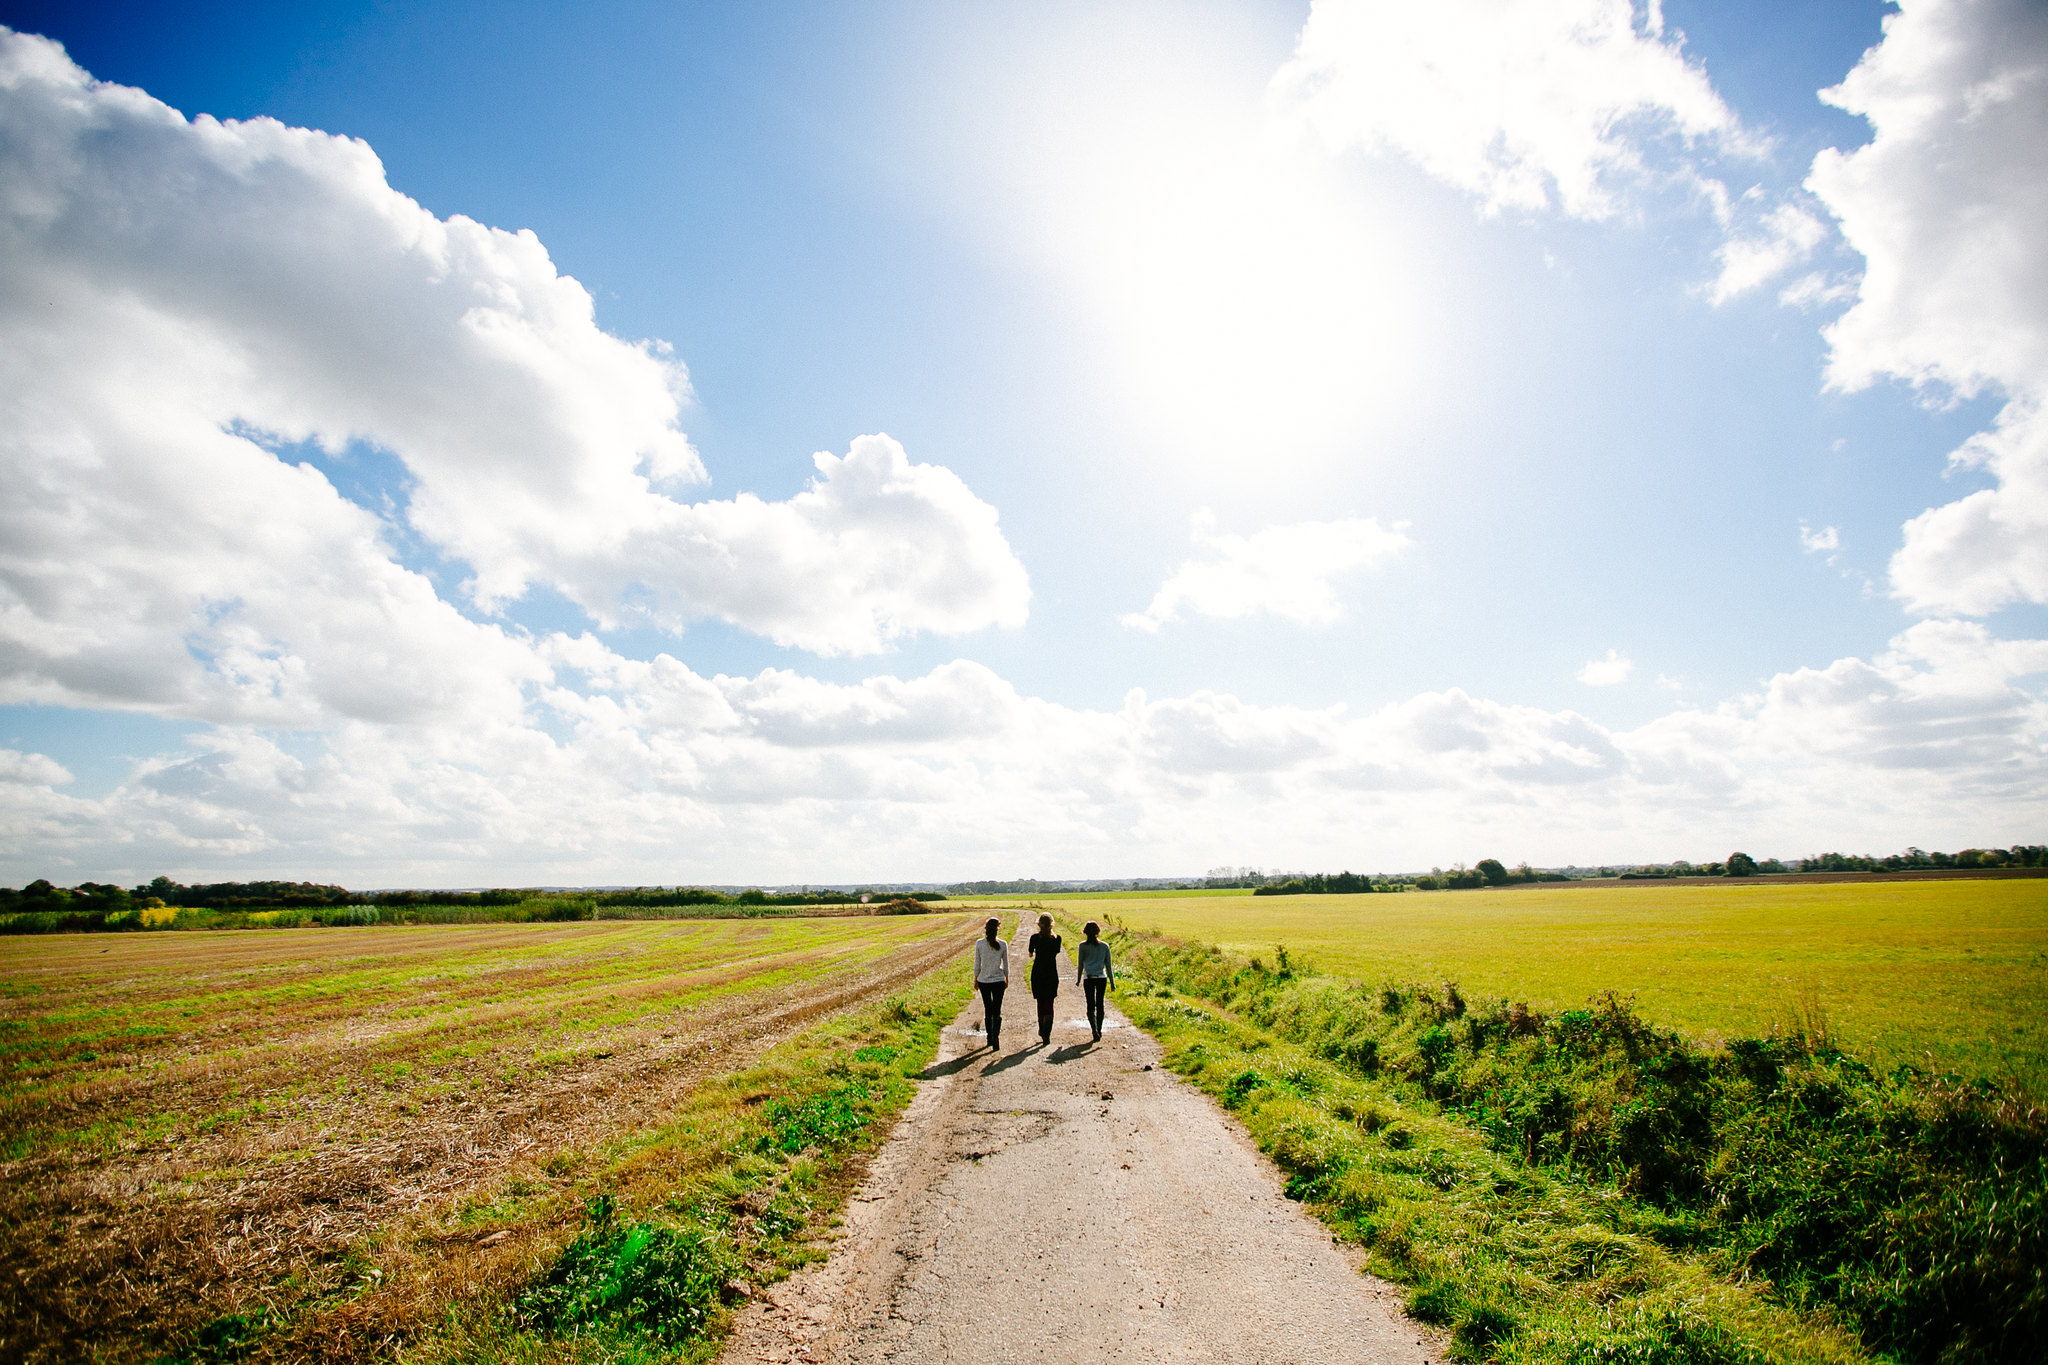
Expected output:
(1949, 975)
(203, 1124)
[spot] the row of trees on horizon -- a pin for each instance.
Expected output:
(163, 893)
(1492, 872)
(99, 898)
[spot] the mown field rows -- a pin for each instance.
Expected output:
(1947, 976)
(216, 1127)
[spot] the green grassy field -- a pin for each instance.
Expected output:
(1946, 975)
(303, 1143)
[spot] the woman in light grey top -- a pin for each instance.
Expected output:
(1093, 970)
(992, 978)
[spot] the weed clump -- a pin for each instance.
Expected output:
(822, 1121)
(647, 1277)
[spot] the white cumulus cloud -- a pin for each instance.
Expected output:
(874, 549)
(32, 769)
(1524, 104)
(181, 300)
(1826, 540)
(1284, 571)
(1786, 235)
(1611, 671)
(1946, 203)
(646, 770)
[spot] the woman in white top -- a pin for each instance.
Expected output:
(991, 977)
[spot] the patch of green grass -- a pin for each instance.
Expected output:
(818, 1120)
(508, 1203)
(1949, 976)
(649, 1278)
(226, 1338)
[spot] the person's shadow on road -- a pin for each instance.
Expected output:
(1070, 1052)
(960, 1063)
(1014, 1059)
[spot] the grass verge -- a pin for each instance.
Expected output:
(1585, 1188)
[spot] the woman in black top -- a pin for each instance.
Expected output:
(1045, 973)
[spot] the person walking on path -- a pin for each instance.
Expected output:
(992, 978)
(1044, 953)
(1093, 970)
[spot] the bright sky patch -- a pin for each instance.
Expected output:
(932, 444)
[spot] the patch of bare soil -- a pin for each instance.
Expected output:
(1075, 1203)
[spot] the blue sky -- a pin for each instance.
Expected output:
(1529, 525)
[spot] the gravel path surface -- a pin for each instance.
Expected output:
(1074, 1203)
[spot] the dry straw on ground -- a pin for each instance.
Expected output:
(203, 1125)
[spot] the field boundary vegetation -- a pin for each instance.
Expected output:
(2018, 860)
(90, 907)
(2021, 860)
(1583, 1186)
(41, 907)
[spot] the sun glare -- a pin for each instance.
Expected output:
(1243, 291)
(1239, 298)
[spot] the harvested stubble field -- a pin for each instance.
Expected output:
(1944, 975)
(209, 1128)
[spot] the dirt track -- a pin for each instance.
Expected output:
(1074, 1203)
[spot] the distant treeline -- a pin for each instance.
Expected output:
(162, 903)
(1492, 872)
(1487, 872)
(1913, 859)
(1323, 883)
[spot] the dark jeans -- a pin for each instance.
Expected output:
(1045, 1018)
(992, 1008)
(1095, 987)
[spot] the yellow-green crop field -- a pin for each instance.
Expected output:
(1946, 975)
(324, 1139)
